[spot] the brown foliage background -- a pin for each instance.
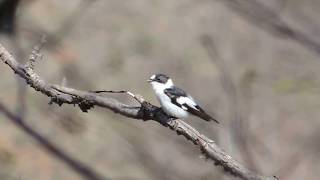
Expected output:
(270, 113)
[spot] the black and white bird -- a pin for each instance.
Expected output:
(175, 101)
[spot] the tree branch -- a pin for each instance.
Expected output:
(87, 100)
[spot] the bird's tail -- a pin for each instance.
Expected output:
(202, 114)
(207, 117)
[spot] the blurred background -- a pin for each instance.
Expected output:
(254, 64)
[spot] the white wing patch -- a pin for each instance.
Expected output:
(186, 100)
(184, 108)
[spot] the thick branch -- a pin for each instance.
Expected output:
(147, 111)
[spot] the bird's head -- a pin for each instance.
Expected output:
(160, 81)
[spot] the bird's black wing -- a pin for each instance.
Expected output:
(175, 92)
(180, 98)
(198, 111)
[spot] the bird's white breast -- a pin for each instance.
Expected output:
(173, 109)
(166, 103)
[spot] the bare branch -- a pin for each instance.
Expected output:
(86, 100)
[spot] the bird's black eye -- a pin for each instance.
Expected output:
(160, 80)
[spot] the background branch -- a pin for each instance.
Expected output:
(238, 124)
(270, 21)
(82, 169)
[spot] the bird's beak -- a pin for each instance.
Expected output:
(149, 80)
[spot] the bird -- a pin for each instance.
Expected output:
(175, 101)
